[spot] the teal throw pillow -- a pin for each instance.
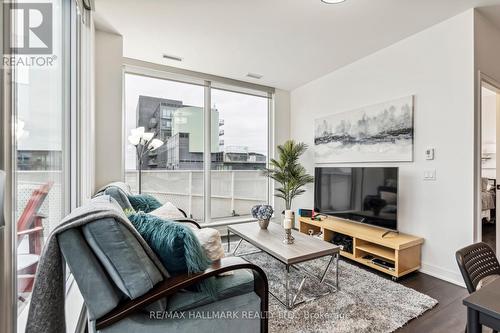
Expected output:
(144, 202)
(176, 246)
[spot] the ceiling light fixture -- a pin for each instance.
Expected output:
(332, 2)
(171, 57)
(254, 76)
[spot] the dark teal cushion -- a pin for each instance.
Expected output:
(202, 319)
(175, 244)
(241, 282)
(144, 203)
(123, 257)
(93, 282)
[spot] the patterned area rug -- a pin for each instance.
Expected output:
(366, 302)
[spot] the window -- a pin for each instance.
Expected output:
(174, 172)
(42, 108)
(239, 141)
(241, 122)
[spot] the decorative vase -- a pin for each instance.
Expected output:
(262, 213)
(263, 224)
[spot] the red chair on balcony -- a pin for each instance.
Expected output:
(30, 225)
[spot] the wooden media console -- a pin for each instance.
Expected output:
(403, 250)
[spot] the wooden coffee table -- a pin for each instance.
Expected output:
(305, 248)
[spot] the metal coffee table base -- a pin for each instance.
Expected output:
(291, 298)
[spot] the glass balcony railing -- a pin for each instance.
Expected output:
(233, 192)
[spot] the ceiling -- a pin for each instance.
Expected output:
(289, 42)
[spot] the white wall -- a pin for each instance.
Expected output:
(436, 66)
(281, 123)
(108, 108)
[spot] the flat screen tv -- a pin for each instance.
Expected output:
(363, 195)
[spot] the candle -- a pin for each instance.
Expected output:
(287, 223)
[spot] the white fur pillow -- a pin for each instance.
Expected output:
(168, 212)
(210, 241)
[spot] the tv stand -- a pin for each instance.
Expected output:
(369, 242)
(390, 231)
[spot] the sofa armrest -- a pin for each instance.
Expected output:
(183, 212)
(177, 283)
(191, 221)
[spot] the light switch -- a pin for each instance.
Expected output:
(429, 154)
(430, 175)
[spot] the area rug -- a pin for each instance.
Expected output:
(366, 302)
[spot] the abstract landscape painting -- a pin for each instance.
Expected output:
(377, 133)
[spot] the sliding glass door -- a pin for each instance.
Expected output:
(36, 140)
(42, 122)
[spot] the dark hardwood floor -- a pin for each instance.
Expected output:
(448, 316)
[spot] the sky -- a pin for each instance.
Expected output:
(245, 116)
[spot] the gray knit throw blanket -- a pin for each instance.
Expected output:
(46, 313)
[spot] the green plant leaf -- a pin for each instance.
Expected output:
(288, 172)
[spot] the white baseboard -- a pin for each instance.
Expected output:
(444, 274)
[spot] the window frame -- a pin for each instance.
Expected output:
(209, 82)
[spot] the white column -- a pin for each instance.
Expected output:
(207, 156)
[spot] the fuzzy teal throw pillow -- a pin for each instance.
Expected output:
(144, 202)
(176, 246)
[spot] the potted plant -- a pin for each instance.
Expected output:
(288, 172)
